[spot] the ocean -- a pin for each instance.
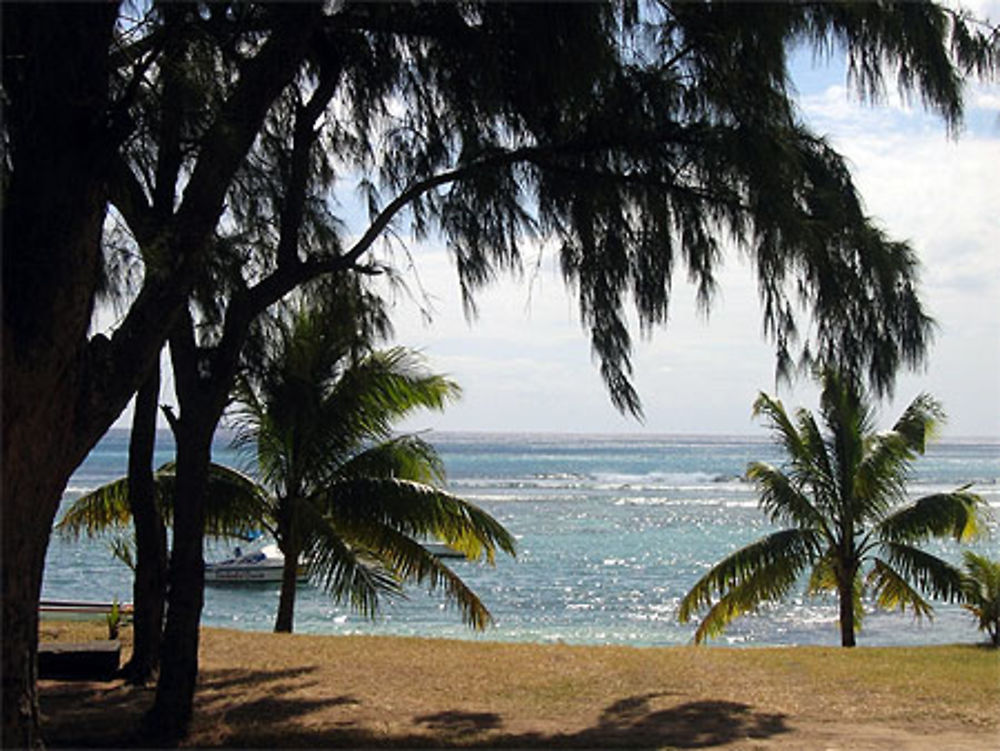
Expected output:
(611, 532)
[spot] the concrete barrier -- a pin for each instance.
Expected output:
(88, 660)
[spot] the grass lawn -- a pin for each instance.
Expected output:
(267, 690)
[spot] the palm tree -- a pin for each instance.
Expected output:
(344, 493)
(842, 498)
(982, 593)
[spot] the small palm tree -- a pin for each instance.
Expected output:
(982, 593)
(346, 495)
(842, 497)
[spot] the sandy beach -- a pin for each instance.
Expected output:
(260, 690)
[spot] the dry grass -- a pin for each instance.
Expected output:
(264, 690)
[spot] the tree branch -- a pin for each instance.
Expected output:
(304, 139)
(135, 344)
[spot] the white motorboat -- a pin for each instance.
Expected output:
(262, 565)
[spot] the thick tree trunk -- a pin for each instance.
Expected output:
(24, 546)
(168, 719)
(150, 586)
(55, 90)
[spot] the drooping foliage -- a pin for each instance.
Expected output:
(671, 138)
(849, 524)
(105, 510)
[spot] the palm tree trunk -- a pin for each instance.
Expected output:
(289, 582)
(150, 586)
(846, 594)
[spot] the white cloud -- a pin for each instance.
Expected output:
(986, 100)
(941, 195)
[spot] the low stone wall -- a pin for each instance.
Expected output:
(91, 660)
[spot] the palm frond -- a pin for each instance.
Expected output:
(386, 386)
(96, 512)
(959, 515)
(981, 592)
(416, 510)
(919, 422)
(848, 419)
(235, 505)
(823, 577)
(782, 554)
(406, 457)
(767, 583)
(983, 573)
(781, 426)
(345, 572)
(782, 500)
(881, 475)
(411, 561)
(123, 548)
(107, 507)
(803, 442)
(928, 573)
(893, 592)
(817, 470)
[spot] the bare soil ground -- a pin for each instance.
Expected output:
(291, 691)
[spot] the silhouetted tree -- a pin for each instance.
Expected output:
(637, 136)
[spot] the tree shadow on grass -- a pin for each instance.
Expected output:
(631, 723)
(225, 680)
(698, 724)
(79, 714)
(457, 723)
(295, 714)
(280, 709)
(109, 715)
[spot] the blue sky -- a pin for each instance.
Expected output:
(525, 363)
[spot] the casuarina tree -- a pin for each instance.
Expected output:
(636, 136)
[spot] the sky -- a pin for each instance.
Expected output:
(525, 364)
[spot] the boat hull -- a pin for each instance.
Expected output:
(264, 566)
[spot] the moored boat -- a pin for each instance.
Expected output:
(262, 565)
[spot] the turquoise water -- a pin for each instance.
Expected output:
(611, 533)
